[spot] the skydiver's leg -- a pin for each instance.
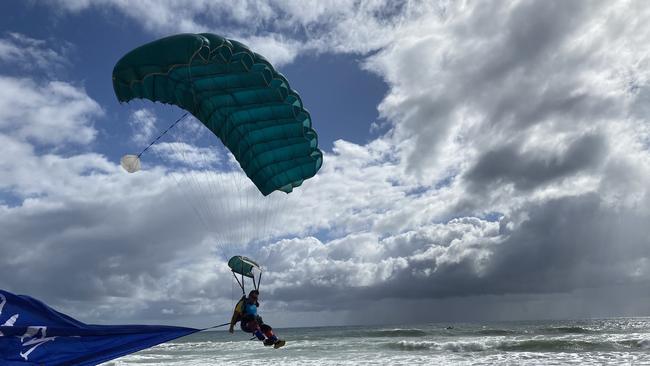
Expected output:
(250, 325)
(256, 329)
(268, 331)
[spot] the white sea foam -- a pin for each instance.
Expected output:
(611, 341)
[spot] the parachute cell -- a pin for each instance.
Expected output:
(234, 92)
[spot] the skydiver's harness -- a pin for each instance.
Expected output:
(240, 308)
(243, 312)
(243, 316)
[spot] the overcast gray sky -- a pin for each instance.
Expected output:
(490, 160)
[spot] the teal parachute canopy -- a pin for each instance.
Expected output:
(234, 92)
(243, 266)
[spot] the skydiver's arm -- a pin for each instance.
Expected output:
(233, 320)
(236, 315)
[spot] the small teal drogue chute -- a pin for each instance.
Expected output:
(237, 94)
(245, 267)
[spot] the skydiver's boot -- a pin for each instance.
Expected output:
(274, 341)
(279, 343)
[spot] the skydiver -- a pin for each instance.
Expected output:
(246, 313)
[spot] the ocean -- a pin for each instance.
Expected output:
(618, 341)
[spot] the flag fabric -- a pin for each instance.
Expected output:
(32, 333)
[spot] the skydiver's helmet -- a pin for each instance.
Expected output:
(253, 295)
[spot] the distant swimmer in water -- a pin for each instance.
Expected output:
(246, 313)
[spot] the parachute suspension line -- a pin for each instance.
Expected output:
(216, 201)
(228, 179)
(252, 229)
(242, 279)
(213, 185)
(241, 209)
(199, 190)
(274, 211)
(200, 207)
(278, 205)
(241, 284)
(188, 196)
(247, 197)
(194, 184)
(281, 204)
(265, 218)
(231, 178)
(259, 281)
(189, 199)
(261, 212)
(219, 184)
(162, 134)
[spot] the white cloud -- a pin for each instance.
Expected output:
(143, 125)
(49, 112)
(277, 49)
(44, 111)
(238, 20)
(463, 84)
(280, 29)
(30, 175)
(29, 54)
(189, 155)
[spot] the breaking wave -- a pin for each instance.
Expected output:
(496, 332)
(567, 330)
(440, 346)
(395, 333)
(530, 345)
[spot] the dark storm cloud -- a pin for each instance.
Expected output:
(580, 304)
(531, 32)
(531, 169)
(530, 102)
(572, 243)
(564, 245)
(89, 250)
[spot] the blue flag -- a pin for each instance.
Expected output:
(32, 333)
